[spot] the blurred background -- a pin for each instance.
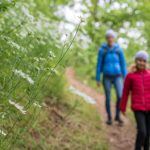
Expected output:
(38, 41)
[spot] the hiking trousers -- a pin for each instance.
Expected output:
(108, 81)
(143, 130)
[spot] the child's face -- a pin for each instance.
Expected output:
(140, 64)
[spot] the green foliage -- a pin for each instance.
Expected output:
(5, 4)
(124, 17)
(29, 50)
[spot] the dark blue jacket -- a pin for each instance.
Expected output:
(110, 61)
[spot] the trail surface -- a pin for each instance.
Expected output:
(120, 138)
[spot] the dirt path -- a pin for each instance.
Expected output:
(120, 138)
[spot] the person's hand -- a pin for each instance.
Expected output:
(98, 84)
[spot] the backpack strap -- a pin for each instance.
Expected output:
(117, 51)
(104, 51)
(104, 55)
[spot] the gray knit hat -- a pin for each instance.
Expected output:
(142, 55)
(109, 33)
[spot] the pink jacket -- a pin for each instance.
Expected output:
(138, 84)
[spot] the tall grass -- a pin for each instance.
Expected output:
(30, 54)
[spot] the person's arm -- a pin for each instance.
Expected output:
(126, 91)
(99, 64)
(123, 63)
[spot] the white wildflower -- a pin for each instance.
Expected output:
(23, 34)
(18, 106)
(24, 75)
(86, 97)
(37, 105)
(53, 71)
(13, 44)
(27, 13)
(3, 114)
(39, 25)
(51, 54)
(2, 132)
(13, 13)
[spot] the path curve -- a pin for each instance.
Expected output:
(120, 138)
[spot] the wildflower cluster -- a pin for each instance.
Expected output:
(28, 52)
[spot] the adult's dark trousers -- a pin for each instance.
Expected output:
(143, 130)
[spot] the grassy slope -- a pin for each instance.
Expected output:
(71, 125)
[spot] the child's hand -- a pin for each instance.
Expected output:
(124, 114)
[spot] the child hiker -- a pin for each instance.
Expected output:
(138, 84)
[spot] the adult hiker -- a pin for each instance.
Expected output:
(138, 84)
(111, 63)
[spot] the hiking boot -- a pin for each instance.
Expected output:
(109, 122)
(119, 120)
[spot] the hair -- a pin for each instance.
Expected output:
(132, 68)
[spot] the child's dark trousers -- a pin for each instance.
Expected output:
(143, 130)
